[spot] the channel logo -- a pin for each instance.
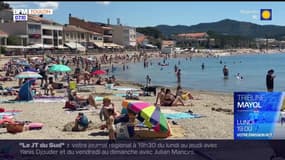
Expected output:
(266, 14)
(18, 18)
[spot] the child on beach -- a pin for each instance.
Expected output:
(81, 122)
(111, 126)
(110, 114)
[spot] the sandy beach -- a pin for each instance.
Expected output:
(213, 124)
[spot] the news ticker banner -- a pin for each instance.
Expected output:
(139, 150)
(259, 115)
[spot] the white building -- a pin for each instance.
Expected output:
(76, 37)
(37, 31)
(124, 35)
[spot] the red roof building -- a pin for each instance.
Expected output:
(193, 35)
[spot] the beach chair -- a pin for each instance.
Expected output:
(109, 86)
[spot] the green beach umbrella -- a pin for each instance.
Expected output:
(59, 68)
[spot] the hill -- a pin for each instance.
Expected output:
(227, 27)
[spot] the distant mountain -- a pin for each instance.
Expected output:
(227, 27)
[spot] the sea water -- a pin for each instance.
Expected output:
(253, 68)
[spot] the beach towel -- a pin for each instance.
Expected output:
(14, 101)
(49, 100)
(48, 97)
(125, 89)
(98, 98)
(168, 111)
(7, 115)
(181, 115)
(124, 94)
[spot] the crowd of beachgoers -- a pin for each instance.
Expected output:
(88, 89)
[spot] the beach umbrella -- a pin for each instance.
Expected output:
(23, 63)
(30, 70)
(98, 72)
(59, 68)
(28, 74)
(153, 117)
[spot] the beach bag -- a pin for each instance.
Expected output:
(35, 126)
(122, 131)
(2, 110)
(15, 127)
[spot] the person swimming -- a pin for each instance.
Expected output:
(239, 77)
(226, 72)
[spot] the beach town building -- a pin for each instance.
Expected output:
(36, 32)
(124, 35)
(268, 43)
(101, 28)
(143, 41)
(167, 43)
(3, 38)
(141, 38)
(196, 40)
(81, 39)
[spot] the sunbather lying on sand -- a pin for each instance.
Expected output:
(170, 99)
(100, 81)
(184, 95)
(82, 100)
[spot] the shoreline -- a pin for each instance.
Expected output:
(132, 83)
(201, 53)
(54, 117)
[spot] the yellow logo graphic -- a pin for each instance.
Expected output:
(266, 14)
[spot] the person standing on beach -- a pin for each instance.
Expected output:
(270, 80)
(43, 73)
(226, 72)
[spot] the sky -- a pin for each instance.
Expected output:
(142, 14)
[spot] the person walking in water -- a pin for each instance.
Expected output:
(148, 80)
(203, 66)
(226, 72)
(178, 74)
(175, 68)
(270, 80)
